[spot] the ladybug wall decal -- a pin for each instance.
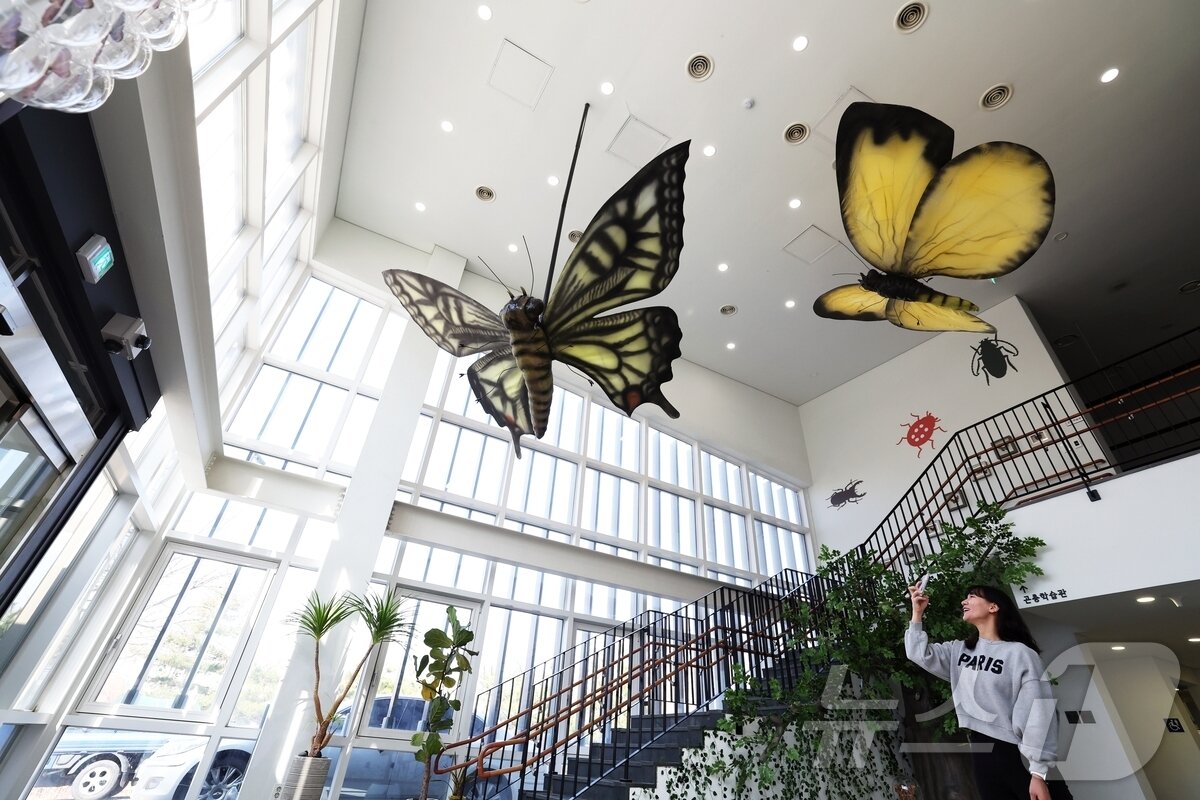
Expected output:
(920, 431)
(847, 494)
(993, 357)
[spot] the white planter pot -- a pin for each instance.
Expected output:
(305, 778)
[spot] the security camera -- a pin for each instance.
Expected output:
(125, 336)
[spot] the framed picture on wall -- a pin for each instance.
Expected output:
(956, 501)
(981, 468)
(1005, 446)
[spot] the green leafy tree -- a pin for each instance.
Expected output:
(859, 630)
(438, 672)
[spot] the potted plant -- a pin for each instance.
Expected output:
(386, 620)
(460, 782)
(438, 672)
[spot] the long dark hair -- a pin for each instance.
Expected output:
(1009, 624)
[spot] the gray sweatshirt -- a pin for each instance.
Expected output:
(998, 690)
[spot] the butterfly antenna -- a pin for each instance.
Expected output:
(566, 193)
(497, 277)
(590, 382)
(532, 276)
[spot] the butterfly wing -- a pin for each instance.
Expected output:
(456, 323)
(498, 385)
(886, 157)
(629, 354)
(629, 251)
(984, 214)
(919, 315)
(851, 302)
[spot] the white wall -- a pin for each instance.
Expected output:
(852, 432)
(1141, 533)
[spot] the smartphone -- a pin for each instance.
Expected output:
(921, 583)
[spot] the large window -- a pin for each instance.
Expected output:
(314, 396)
(606, 482)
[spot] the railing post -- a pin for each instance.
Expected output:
(1092, 494)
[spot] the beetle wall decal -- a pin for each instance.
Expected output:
(920, 431)
(847, 494)
(993, 357)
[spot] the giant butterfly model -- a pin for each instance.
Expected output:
(913, 212)
(629, 251)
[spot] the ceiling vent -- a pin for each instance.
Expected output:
(728, 310)
(996, 97)
(911, 17)
(796, 133)
(574, 236)
(700, 66)
(485, 193)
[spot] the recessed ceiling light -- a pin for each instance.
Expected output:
(1066, 340)
(512, 248)
(552, 180)
(447, 125)
(1146, 599)
(1194, 639)
(794, 202)
(606, 88)
(419, 206)
(1190, 287)
(799, 43)
(484, 12)
(1110, 75)
(790, 304)
(730, 346)
(709, 150)
(1061, 237)
(1118, 647)
(722, 267)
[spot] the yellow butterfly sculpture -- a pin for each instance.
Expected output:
(913, 212)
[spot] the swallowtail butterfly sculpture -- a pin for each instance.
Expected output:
(912, 212)
(628, 252)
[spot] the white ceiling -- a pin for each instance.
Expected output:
(1124, 155)
(1120, 619)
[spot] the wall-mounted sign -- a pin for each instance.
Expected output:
(1174, 725)
(95, 258)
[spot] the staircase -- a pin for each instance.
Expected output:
(656, 740)
(602, 717)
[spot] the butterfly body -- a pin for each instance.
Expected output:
(912, 212)
(629, 251)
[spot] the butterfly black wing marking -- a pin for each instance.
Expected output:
(500, 388)
(456, 323)
(629, 251)
(625, 353)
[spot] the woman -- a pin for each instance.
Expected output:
(999, 694)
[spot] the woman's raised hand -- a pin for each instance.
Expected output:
(920, 601)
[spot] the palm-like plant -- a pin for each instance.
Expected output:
(386, 620)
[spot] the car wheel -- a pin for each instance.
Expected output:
(98, 779)
(224, 778)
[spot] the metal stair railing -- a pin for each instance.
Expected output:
(603, 701)
(1134, 413)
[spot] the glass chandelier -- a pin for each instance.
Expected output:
(67, 54)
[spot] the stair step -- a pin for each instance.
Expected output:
(679, 737)
(604, 789)
(658, 752)
(640, 770)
